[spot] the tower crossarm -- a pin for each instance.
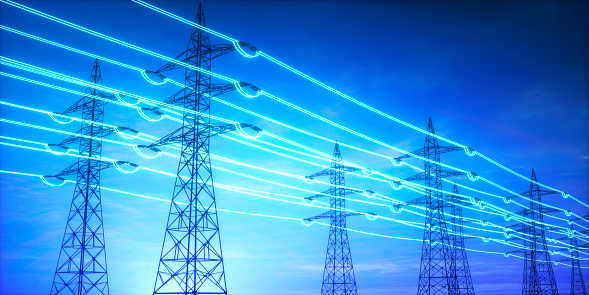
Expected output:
(212, 90)
(443, 174)
(210, 129)
(536, 193)
(327, 193)
(73, 169)
(98, 131)
(422, 151)
(215, 50)
(328, 171)
(331, 214)
(84, 102)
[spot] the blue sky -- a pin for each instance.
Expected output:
(507, 78)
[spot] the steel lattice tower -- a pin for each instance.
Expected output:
(538, 274)
(338, 274)
(577, 283)
(191, 260)
(437, 269)
(462, 279)
(81, 267)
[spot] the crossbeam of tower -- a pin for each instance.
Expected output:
(191, 260)
(338, 274)
(81, 266)
(437, 270)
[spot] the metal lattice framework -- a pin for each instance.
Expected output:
(538, 274)
(338, 274)
(437, 269)
(577, 283)
(81, 267)
(191, 260)
(462, 279)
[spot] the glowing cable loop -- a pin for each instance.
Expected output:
(565, 195)
(48, 147)
(485, 239)
(396, 208)
(396, 185)
(142, 114)
(238, 127)
(396, 162)
(238, 45)
(483, 222)
(43, 178)
(507, 235)
(118, 163)
(476, 201)
(308, 201)
(238, 86)
(469, 151)
(506, 254)
(52, 115)
(137, 147)
(367, 171)
(567, 212)
(506, 200)
(145, 72)
(482, 204)
(507, 217)
(472, 176)
(120, 98)
(369, 193)
(370, 216)
(304, 222)
(125, 136)
(308, 179)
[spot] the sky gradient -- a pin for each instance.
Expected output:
(509, 78)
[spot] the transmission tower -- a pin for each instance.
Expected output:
(436, 275)
(81, 266)
(538, 273)
(462, 280)
(338, 274)
(577, 283)
(191, 260)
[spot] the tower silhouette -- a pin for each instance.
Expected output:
(462, 280)
(538, 274)
(338, 274)
(81, 266)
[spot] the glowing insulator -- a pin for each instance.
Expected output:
(367, 171)
(308, 201)
(507, 235)
(555, 262)
(139, 152)
(304, 222)
(142, 114)
(395, 208)
(44, 179)
(485, 239)
(565, 195)
(506, 254)
(369, 193)
(161, 77)
(482, 205)
(570, 233)
(475, 201)
(483, 222)
(117, 165)
(239, 128)
(506, 200)
(123, 98)
(50, 147)
(396, 162)
(370, 216)
(239, 44)
(507, 217)
(568, 212)
(470, 151)
(308, 179)
(472, 176)
(126, 136)
(396, 185)
(54, 117)
(238, 86)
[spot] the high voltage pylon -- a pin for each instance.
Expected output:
(538, 278)
(338, 274)
(577, 283)
(462, 280)
(81, 266)
(437, 270)
(191, 260)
